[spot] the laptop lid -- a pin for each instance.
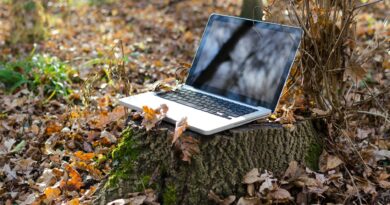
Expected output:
(244, 60)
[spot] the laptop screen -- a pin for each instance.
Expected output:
(244, 60)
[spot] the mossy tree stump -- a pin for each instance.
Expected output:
(147, 160)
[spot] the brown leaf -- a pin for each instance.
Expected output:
(227, 201)
(291, 170)
(356, 72)
(384, 184)
(249, 201)
(181, 126)
(188, 146)
(328, 162)
(153, 116)
(252, 177)
(319, 111)
(280, 196)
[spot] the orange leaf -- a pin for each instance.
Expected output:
(96, 173)
(75, 182)
(52, 193)
(84, 156)
(75, 201)
(153, 116)
(181, 126)
(53, 127)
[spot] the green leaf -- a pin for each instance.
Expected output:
(11, 79)
(19, 147)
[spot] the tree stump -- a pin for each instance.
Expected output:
(147, 160)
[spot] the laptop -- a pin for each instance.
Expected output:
(236, 77)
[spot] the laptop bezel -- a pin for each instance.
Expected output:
(286, 70)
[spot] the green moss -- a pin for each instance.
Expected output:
(143, 183)
(313, 155)
(123, 158)
(169, 195)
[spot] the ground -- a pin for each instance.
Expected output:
(58, 134)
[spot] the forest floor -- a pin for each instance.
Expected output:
(55, 146)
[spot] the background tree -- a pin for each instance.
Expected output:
(28, 21)
(252, 9)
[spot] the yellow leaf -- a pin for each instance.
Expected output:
(75, 201)
(52, 193)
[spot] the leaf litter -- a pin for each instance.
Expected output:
(52, 148)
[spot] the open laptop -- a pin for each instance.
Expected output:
(237, 75)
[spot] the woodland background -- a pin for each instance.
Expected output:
(64, 64)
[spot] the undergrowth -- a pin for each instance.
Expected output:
(40, 73)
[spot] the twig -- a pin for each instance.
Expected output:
(370, 98)
(353, 182)
(374, 114)
(366, 4)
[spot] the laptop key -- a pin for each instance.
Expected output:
(207, 103)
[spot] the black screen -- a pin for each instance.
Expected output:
(244, 60)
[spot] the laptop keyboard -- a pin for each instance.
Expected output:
(207, 103)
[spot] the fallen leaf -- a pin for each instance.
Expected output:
(384, 184)
(249, 201)
(84, 156)
(119, 202)
(356, 72)
(10, 173)
(266, 185)
(53, 127)
(52, 193)
(381, 154)
(292, 170)
(319, 111)
(227, 201)
(8, 144)
(75, 182)
(181, 126)
(188, 146)
(19, 147)
(280, 196)
(328, 162)
(29, 199)
(252, 177)
(107, 138)
(75, 201)
(153, 116)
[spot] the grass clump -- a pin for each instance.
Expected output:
(38, 72)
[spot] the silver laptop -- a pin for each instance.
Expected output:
(237, 75)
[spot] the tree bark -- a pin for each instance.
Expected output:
(147, 160)
(252, 9)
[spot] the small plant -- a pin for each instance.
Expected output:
(38, 72)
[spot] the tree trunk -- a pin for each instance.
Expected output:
(252, 9)
(147, 160)
(28, 21)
